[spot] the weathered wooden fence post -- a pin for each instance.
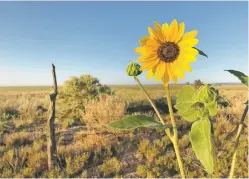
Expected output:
(51, 142)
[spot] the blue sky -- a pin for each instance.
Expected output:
(99, 38)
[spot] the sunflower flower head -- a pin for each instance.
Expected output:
(167, 51)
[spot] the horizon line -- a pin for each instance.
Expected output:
(219, 83)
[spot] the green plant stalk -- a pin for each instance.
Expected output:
(153, 105)
(174, 139)
(214, 154)
(237, 142)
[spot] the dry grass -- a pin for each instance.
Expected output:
(99, 113)
(23, 141)
(18, 139)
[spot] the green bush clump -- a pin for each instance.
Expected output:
(75, 163)
(110, 167)
(75, 93)
(156, 161)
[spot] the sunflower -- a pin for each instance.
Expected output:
(167, 51)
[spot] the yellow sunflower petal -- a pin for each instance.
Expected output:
(190, 35)
(159, 31)
(173, 30)
(152, 32)
(165, 31)
(188, 50)
(188, 43)
(160, 70)
(143, 40)
(157, 26)
(144, 58)
(149, 65)
(190, 58)
(180, 32)
(143, 50)
(189, 54)
(154, 35)
(187, 67)
(152, 43)
(182, 63)
(149, 74)
(165, 78)
(178, 68)
(171, 73)
(180, 73)
(139, 50)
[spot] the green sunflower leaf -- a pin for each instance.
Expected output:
(241, 76)
(206, 94)
(246, 103)
(212, 107)
(191, 115)
(200, 138)
(133, 122)
(188, 111)
(186, 94)
(184, 106)
(185, 103)
(201, 52)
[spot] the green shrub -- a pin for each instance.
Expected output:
(39, 145)
(142, 148)
(74, 163)
(84, 174)
(142, 170)
(184, 141)
(6, 172)
(18, 139)
(54, 173)
(110, 167)
(61, 140)
(38, 161)
(76, 92)
(12, 160)
(198, 83)
(26, 173)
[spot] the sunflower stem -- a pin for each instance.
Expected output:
(214, 154)
(237, 142)
(174, 139)
(167, 130)
(150, 100)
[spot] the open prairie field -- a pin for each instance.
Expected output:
(122, 90)
(193, 125)
(87, 148)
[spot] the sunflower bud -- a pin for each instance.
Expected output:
(133, 69)
(206, 94)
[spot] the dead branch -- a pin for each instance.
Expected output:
(51, 143)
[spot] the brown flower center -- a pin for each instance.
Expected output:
(168, 51)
